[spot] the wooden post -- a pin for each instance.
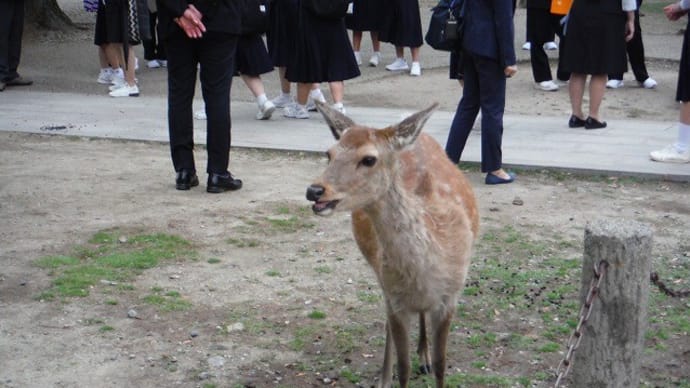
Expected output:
(611, 348)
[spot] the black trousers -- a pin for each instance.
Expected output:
(542, 25)
(11, 29)
(485, 89)
(215, 53)
(153, 48)
(635, 49)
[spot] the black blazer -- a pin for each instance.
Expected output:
(218, 15)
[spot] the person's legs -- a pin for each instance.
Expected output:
(6, 16)
(466, 112)
(15, 39)
(597, 87)
(576, 91)
(678, 152)
(635, 49)
(182, 70)
(217, 58)
(492, 92)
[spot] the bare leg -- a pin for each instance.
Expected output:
(102, 57)
(375, 43)
(356, 40)
(254, 83)
(284, 83)
(337, 91)
(303, 92)
(415, 54)
(597, 87)
(684, 116)
(400, 52)
(130, 77)
(576, 89)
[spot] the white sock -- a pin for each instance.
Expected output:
(261, 99)
(338, 105)
(119, 72)
(683, 137)
(316, 94)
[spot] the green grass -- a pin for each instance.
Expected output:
(167, 300)
(107, 256)
(316, 314)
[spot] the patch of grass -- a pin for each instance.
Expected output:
(107, 256)
(316, 314)
(273, 273)
(244, 242)
(550, 347)
(106, 328)
(368, 297)
(350, 376)
(213, 260)
(167, 301)
(323, 269)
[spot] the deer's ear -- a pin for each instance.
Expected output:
(407, 131)
(337, 121)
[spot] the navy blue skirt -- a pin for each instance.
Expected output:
(401, 23)
(282, 30)
(365, 16)
(251, 57)
(323, 52)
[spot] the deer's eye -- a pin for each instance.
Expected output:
(368, 161)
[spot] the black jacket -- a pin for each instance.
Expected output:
(218, 15)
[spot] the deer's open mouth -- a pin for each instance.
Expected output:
(320, 207)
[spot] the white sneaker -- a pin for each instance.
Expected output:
(153, 64)
(358, 58)
(339, 107)
(118, 77)
(614, 83)
(311, 106)
(200, 114)
(550, 46)
(163, 62)
(670, 154)
(126, 91)
(265, 111)
(374, 60)
(105, 76)
(649, 83)
(416, 69)
(398, 65)
(282, 101)
(547, 86)
(295, 111)
(527, 46)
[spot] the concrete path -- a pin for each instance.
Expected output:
(529, 142)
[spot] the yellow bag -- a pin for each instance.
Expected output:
(560, 7)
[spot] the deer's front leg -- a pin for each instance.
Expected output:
(440, 325)
(399, 330)
(386, 379)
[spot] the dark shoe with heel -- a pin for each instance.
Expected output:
(219, 183)
(19, 81)
(492, 179)
(576, 122)
(591, 123)
(186, 179)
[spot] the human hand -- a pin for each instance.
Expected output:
(629, 29)
(673, 11)
(510, 71)
(190, 22)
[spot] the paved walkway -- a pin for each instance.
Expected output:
(531, 142)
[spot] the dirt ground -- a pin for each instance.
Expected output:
(252, 286)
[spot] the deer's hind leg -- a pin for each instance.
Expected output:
(423, 347)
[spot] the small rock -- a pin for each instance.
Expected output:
(239, 326)
(216, 361)
(518, 201)
(327, 380)
(122, 239)
(349, 281)
(193, 333)
(174, 276)
(132, 313)
(203, 376)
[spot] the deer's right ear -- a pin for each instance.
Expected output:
(337, 121)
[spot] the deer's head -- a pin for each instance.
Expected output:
(364, 163)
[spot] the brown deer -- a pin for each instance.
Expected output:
(414, 217)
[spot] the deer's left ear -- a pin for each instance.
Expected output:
(337, 121)
(407, 131)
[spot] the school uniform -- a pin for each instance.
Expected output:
(541, 25)
(683, 87)
(251, 57)
(283, 17)
(323, 52)
(401, 23)
(595, 36)
(635, 50)
(365, 16)
(487, 49)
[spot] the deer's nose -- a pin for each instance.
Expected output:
(314, 192)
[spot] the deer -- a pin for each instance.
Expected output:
(414, 218)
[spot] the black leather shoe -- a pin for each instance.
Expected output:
(2, 86)
(19, 81)
(592, 123)
(576, 122)
(218, 183)
(186, 179)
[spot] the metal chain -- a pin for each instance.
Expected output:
(586, 310)
(654, 277)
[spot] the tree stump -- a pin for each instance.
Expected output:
(611, 348)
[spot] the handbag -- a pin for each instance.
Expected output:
(327, 9)
(90, 5)
(254, 18)
(560, 7)
(446, 25)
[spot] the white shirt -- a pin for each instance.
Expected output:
(631, 5)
